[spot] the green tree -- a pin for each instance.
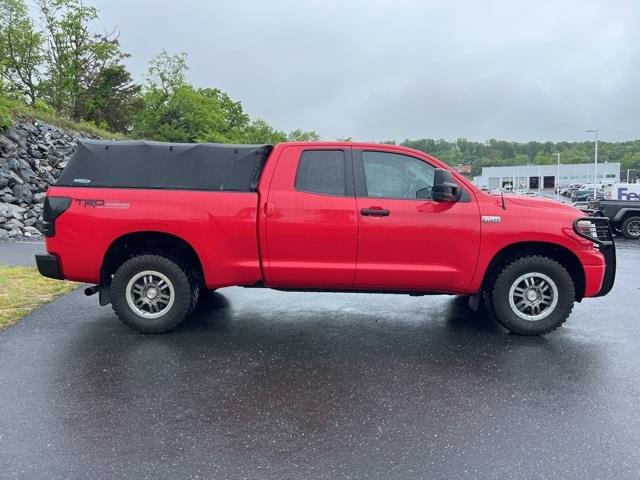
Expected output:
(191, 115)
(113, 100)
(75, 56)
(21, 50)
(5, 114)
(167, 73)
(303, 136)
(259, 131)
(176, 111)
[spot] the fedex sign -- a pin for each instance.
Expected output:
(625, 194)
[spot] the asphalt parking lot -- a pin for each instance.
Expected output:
(263, 384)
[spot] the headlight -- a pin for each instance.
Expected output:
(586, 228)
(594, 228)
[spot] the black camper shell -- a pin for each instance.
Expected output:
(158, 165)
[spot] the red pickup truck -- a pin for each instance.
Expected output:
(153, 224)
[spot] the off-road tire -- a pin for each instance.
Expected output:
(195, 291)
(626, 226)
(183, 286)
(499, 295)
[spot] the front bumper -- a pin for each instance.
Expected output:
(602, 236)
(49, 266)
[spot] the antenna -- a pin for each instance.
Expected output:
(504, 206)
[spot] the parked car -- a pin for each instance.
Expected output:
(151, 225)
(586, 194)
(624, 216)
(571, 189)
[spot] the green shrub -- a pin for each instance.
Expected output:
(44, 107)
(5, 113)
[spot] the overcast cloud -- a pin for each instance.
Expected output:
(392, 69)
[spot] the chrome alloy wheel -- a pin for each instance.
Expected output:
(533, 296)
(150, 294)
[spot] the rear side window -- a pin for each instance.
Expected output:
(321, 171)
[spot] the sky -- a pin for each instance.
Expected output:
(395, 69)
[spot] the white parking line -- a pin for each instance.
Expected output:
(30, 243)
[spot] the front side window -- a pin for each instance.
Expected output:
(321, 171)
(392, 175)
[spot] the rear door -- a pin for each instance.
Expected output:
(311, 221)
(407, 241)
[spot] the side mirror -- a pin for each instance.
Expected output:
(445, 188)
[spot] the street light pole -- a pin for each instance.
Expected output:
(558, 178)
(595, 170)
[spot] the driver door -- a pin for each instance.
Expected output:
(406, 240)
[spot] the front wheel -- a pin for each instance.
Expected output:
(152, 293)
(532, 295)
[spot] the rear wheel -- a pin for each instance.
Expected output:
(152, 293)
(631, 228)
(532, 295)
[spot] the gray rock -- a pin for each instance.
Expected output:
(13, 223)
(22, 193)
(7, 145)
(17, 136)
(4, 235)
(16, 178)
(32, 230)
(35, 154)
(10, 208)
(12, 162)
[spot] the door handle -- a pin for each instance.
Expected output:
(375, 212)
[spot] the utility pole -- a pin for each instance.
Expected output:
(558, 178)
(595, 173)
(539, 175)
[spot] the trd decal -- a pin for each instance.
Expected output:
(93, 203)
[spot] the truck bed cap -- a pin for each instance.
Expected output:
(145, 164)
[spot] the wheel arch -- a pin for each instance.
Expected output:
(557, 252)
(625, 213)
(154, 242)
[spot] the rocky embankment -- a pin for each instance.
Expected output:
(32, 155)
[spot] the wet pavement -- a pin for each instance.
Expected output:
(263, 384)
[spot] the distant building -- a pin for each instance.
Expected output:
(543, 177)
